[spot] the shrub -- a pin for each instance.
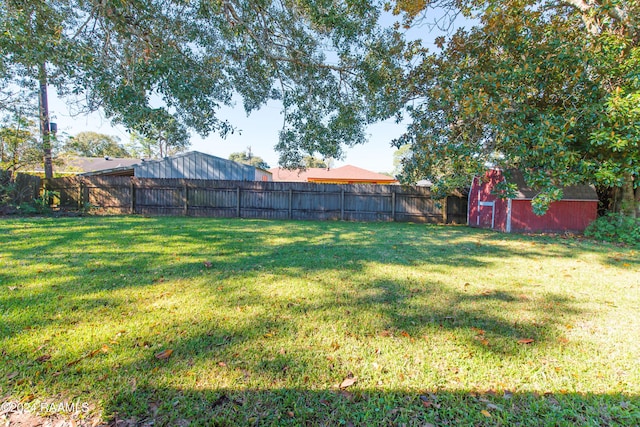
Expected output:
(616, 228)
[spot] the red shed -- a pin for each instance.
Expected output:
(577, 209)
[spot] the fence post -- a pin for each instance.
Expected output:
(238, 202)
(133, 196)
(185, 198)
(290, 203)
(80, 194)
(393, 206)
(342, 205)
(444, 210)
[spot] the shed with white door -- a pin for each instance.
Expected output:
(577, 209)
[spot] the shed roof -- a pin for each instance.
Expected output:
(573, 192)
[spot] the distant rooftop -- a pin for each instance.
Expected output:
(344, 174)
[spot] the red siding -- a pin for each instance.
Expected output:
(480, 216)
(562, 216)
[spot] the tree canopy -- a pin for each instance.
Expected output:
(549, 87)
(93, 144)
(325, 61)
(248, 158)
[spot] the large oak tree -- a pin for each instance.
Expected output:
(549, 87)
(140, 60)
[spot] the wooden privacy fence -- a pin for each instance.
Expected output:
(255, 199)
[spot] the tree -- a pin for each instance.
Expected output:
(325, 61)
(19, 145)
(312, 162)
(92, 144)
(401, 156)
(549, 87)
(160, 136)
(248, 158)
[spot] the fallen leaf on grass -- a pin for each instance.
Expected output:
(405, 334)
(222, 364)
(348, 382)
(428, 403)
(525, 341)
(485, 413)
(12, 375)
(385, 333)
(165, 354)
(43, 358)
(208, 264)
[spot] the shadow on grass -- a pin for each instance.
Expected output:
(301, 407)
(84, 263)
(83, 260)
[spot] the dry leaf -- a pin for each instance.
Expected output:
(165, 354)
(348, 382)
(385, 333)
(12, 375)
(222, 364)
(405, 334)
(74, 362)
(485, 413)
(208, 264)
(291, 414)
(525, 341)
(43, 358)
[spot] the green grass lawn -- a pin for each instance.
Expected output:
(265, 320)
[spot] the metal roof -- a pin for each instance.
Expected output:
(573, 192)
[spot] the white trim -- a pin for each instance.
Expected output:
(493, 212)
(508, 230)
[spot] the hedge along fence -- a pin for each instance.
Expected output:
(255, 199)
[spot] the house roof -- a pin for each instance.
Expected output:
(574, 192)
(93, 164)
(89, 165)
(346, 173)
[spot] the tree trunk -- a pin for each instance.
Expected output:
(44, 122)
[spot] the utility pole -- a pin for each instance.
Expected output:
(44, 121)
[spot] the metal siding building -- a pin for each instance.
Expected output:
(196, 165)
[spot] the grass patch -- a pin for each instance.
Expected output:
(265, 320)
